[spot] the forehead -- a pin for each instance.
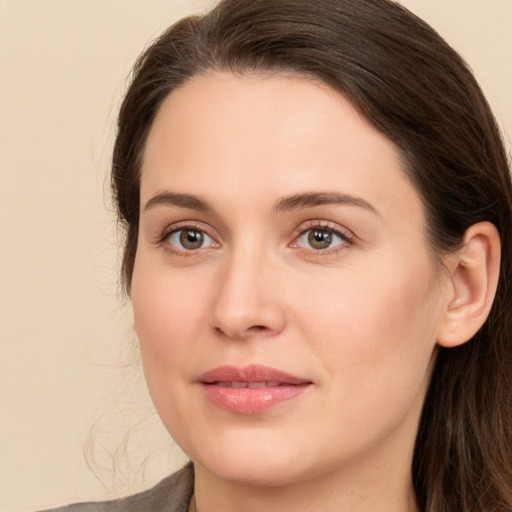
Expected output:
(241, 137)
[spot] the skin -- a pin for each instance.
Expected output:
(360, 319)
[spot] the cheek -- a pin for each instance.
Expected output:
(379, 308)
(163, 310)
(168, 317)
(375, 333)
(166, 302)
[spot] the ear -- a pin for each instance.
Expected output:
(473, 279)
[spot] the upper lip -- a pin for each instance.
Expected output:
(251, 373)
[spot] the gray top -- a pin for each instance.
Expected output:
(172, 494)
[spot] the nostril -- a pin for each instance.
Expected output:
(254, 330)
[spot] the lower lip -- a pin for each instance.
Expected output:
(252, 400)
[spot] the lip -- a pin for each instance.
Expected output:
(252, 389)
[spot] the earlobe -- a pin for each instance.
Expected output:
(474, 272)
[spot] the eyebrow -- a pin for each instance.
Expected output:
(310, 199)
(181, 200)
(293, 202)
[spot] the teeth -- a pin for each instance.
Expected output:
(257, 385)
(238, 384)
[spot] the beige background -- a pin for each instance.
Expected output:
(69, 377)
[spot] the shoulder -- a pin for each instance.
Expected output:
(170, 495)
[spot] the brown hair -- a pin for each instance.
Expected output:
(411, 85)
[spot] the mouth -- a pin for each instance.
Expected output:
(252, 389)
(251, 385)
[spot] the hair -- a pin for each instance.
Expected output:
(414, 88)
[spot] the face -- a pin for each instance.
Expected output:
(284, 295)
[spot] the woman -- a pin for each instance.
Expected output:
(318, 206)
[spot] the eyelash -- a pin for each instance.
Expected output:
(176, 228)
(346, 237)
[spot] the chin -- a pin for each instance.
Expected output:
(275, 472)
(249, 459)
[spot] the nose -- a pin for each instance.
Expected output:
(246, 303)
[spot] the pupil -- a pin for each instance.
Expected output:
(191, 239)
(320, 239)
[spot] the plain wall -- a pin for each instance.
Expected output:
(70, 381)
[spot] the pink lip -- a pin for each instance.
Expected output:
(251, 389)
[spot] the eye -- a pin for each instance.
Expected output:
(322, 238)
(190, 239)
(319, 239)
